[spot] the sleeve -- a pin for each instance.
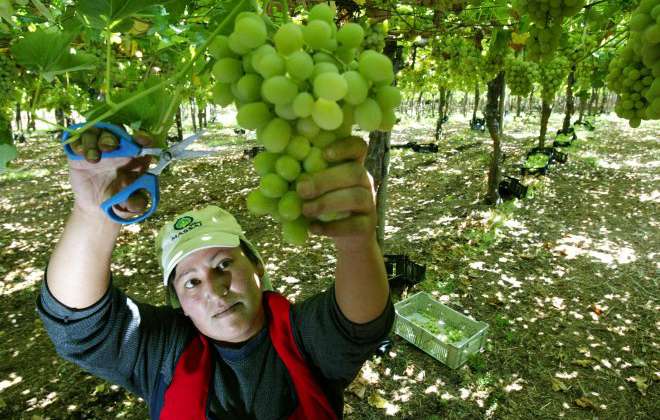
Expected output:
(117, 338)
(337, 346)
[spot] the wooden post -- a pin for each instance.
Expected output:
(570, 103)
(179, 126)
(476, 101)
(546, 110)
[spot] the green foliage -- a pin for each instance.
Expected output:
(536, 161)
(46, 51)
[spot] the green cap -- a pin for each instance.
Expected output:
(209, 227)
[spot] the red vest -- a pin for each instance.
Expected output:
(187, 395)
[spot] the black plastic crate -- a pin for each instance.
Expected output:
(510, 188)
(425, 148)
(478, 124)
(252, 152)
(565, 142)
(560, 157)
(402, 271)
(548, 151)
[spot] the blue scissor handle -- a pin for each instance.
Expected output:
(127, 147)
(148, 182)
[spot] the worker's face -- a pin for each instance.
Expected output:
(219, 289)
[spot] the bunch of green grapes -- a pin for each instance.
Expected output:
(301, 89)
(546, 13)
(551, 76)
(543, 41)
(635, 73)
(374, 37)
(520, 76)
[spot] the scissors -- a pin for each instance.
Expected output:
(149, 180)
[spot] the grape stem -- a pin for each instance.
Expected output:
(162, 84)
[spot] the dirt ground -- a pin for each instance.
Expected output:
(566, 279)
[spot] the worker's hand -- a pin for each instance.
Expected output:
(346, 187)
(94, 180)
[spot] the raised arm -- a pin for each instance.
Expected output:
(361, 286)
(79, 268)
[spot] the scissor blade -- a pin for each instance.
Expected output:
(194, 154)
(183, 144)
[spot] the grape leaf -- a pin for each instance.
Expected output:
(47, 52)
(102, 13)
(7, 153)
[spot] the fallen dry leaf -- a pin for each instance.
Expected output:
(377, 401)
(585, 402)
(640, 383)
(583, 362)
(358, 389)
(558, 385)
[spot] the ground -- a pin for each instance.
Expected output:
(567, 279)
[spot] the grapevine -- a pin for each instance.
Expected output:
(301, 89)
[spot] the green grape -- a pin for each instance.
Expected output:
(248, 88)
(276, 135)
(330, 86)
(317, 34)
(368, 115)
(222, 94)
(279, 90)
(350, 35)
(323, 12)
(253, 116)
(264, 162)
(374, 38)
(250, 31)
(307, 127)
(269, 65)
(321, 68)
(323, 139)
(228, 70)
(346, 127)
(314, 162)
(295, 232)
(288, 39)
(376, 67)
(388, 97)
(257, 54)
(302, 104)
(260, 205)
(236, 44)
(345, 55)
(388, 120)
(357, 87)
(298, 147)
(273, 186)
(219, 48)
(285, 111)
(323, 57)
(287, 167)
(300, 65)
(327, 114)
(290, 206)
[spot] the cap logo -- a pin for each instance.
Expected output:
(183, 222)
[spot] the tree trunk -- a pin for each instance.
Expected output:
(582, 107)
(530, 102)
(492, 114)
(501, 105)
(447, 103)
(518, 103)
(441, 106)
(200, 117)
(179, 125)
(603, 98)
(377, 163)
(205, 116)
(592, 101)
(19, 120)
(546, 110)
(419, 105)
(476, 101)
(59, 117)
(31, 121)
(570, 104)
(465, 102)
(192, 114)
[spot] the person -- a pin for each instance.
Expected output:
(224, 346)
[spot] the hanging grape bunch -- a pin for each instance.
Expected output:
(520, 76)
(551, 76)
(301, 89)
(374, 37)
(635, 73)
(8, 77)
(547, 17)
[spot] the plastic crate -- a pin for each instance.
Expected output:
(402, 271)
(414, 316)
